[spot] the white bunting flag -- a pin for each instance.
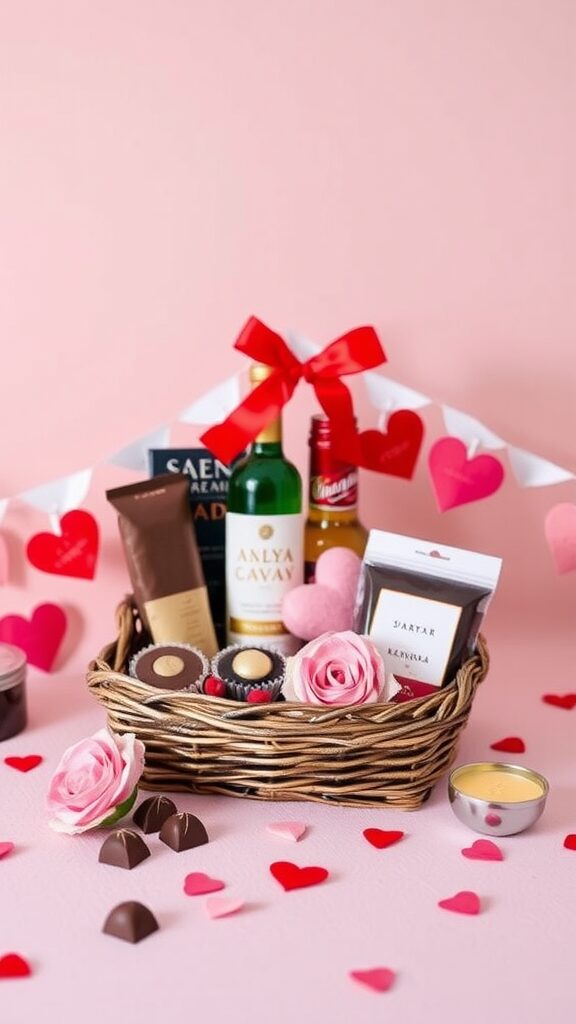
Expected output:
(215, 405)
(135, 455)
(59, 496)
(469, 430)
(387, 395)
(3, 507)
(532, 471)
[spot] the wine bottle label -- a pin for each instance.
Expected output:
(264, 560)
(334, 490)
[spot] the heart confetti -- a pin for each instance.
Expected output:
(560, 529)
(24, 764)
(40, 637)
(5, 849)
(456, 479)
(509, 745)
(483, 849)
(558, 700)
(73, 553)
(493, 820)
(381, 838)
(570, 841)
(379, 979)
(464, 902)
(222, 906)
(293, 830)
(198, 884)
(12, 965)
(291, 876)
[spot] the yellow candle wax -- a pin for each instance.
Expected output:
(498, 786)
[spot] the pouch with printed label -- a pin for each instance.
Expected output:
(422, 605)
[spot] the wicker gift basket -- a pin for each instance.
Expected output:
(369, 755)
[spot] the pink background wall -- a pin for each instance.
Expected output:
(169, 168)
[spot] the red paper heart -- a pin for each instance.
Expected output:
(570, 841)
(72, 554)
(197, 884)
(39, 637)
(465, 902)
(560, 529)
(380, 838)
(291, 876)
(394, 452)
(12, 965)
(456, 479)
(566, 700)
(5, 849)
(379, 979)
(510, 745)
(483, 849)
(24, 764)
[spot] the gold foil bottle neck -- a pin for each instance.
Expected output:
(272, 434)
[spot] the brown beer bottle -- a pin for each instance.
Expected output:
(332, 501)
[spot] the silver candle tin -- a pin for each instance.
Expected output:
(494, 817)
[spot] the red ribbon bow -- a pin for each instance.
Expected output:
(354, 352)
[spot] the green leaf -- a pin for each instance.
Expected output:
(120, 811)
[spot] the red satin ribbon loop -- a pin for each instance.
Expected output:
(354, 352)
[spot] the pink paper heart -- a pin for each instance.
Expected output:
(483, 849)
(464, 902)
(4, 565)
(292, 830)
(560, 530)
(222, 906)
(40, 637)
(379, 979)
(456, 479)
(198, 884)
(5, 849)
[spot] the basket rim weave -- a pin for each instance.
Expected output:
(390, 753)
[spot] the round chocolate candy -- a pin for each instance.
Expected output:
(170, 666)
(245, 669)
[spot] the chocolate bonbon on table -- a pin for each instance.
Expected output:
(183, 832)
(130, 921)
(123, 848)
(151, 814)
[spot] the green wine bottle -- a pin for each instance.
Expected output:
(264, 539)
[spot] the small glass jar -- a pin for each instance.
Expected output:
(13, 714)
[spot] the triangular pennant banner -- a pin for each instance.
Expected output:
(135, 455)
(386, 394)
(215, 405)
(469, 430)
(60, 496)
(532, 471)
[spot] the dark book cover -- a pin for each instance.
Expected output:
(208, 501)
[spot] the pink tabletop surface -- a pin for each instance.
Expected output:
(286, 956)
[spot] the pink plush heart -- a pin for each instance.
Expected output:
(560, 529)
(456, 479)
(483, 849)
(40, 637)
(292, 830)
(464, 902)
(328, 603)
(3, 562)
(5, 849)
(379, 979)
(198, 884)
(222, 906)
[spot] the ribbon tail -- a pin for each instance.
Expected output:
(228, 439)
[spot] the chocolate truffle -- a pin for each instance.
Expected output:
(183, 832)
(152, 813)
(123, 849)
(170, 666)
(244, 669)
(130, 921)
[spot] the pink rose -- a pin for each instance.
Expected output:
(337, 668)
(95, 780)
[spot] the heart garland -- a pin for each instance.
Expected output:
(394, 452)
(456, 479)
(74, 553)
(40, 637)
